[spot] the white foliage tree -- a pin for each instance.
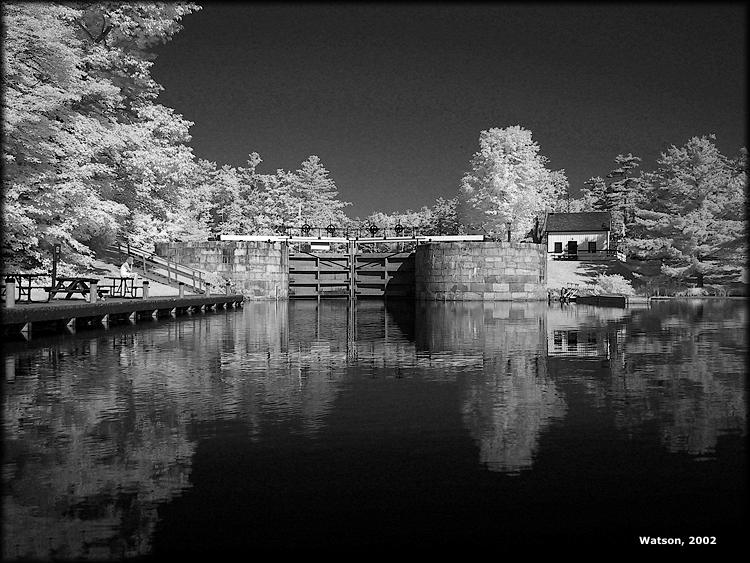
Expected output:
(86, 151)
(508, 184)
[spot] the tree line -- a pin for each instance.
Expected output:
(689, 213)
(89, 153)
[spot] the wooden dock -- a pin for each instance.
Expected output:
(623, 301)
(67, 315)
(564, 294)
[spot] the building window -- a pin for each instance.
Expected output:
(592, 247)
(558, 247)
(226, 256)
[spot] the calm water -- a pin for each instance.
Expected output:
(409, 427)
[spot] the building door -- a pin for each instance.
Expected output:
(572, 247)
(592, 247)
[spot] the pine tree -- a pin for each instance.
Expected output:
(622, 193)
(594, 194)
(619, 196)
(691, 207)
(316, 191)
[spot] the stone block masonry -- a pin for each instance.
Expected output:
(488, 271)
(443, 271)
(260, 270)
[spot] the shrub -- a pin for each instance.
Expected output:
(216, 280)
(613, 283)
(717, 290)
(692, 292)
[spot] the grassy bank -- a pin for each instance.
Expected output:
(645, 277)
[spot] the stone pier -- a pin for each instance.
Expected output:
(489, 271)
(260, 270)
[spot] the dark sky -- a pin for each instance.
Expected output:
(392, 97)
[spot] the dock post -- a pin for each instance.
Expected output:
(10, 292)
(55, 259)
(93, 291)
(10, 369)
(182, 290)
(145, 289)
(352, 269)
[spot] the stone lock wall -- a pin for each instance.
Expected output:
(260, 270)
(444, 271)
(492, 271)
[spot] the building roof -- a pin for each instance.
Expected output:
(587, 221)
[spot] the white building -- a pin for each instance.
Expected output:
(580, 236)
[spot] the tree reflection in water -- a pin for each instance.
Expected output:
(100, 429)
(509, 397)
(678, 364)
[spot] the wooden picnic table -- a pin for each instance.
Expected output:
(71, 285)
(24, 283)
(120, 286)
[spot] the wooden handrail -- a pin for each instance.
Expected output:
(157, 262)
